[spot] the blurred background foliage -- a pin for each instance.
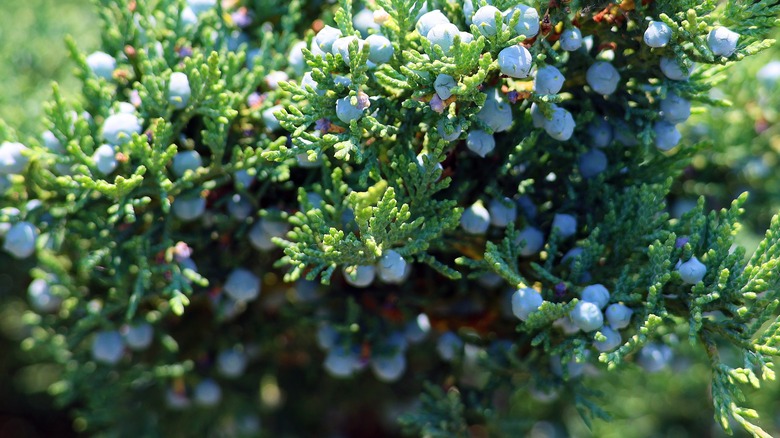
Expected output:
(745, 155)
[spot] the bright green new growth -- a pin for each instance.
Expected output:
(116, 254)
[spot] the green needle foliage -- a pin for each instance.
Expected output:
(306, 208)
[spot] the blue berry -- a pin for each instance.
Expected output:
(363, 21)
(655, 357)
(242, 285)
(722, 41)
(119, 128)
(429, 20)
(612, 342)
(391, 266)
(449, 345)
(417, 329)
(102, 65)
(231, 363)
(600, 132)
(363, 276)
(201, 6)
(475, 219)
(619, 315)
(41, 298)
(548, 80)
(537, 116)
(326, 37)
(525, 301)
(592, 163)
(675, 109)
(327, 336)
(340, 47)
(13, 158)
(179, 90)
(348, 111)
(341, 362)
(380, 49)
(269, 118)
(502, 212)
(671, 69)
(769, 74)
(587, 316)
(52, 143)
(496, 112)
(480, 142)
(571, 39)
(603, 78)
(561, 125)
(184, 161)
(188, 17)
(528, 24)
(443, 35)
(108, 347)
(243, 178)
(20, 240)
(261, 233)
(532, 240)
(565, 223)
(657, 34)
(239, 207)
(104, 159)
(389, 368)
(485, 20)
(207, 393)
(515, 61)
(666, 135)
(188, 208)
(596, 294)
(295, 58)
(466, 37)
(692, 271)
(139, 337)
(444, 85)
(272, 79)
(448, 128)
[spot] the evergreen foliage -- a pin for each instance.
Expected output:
(321, 161)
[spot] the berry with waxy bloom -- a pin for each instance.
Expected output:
(448, 128)
(502, 212)
(496, 112)
(533, 238)
(188, 208)
(119, 128)
(525, 301)
(242, 285)
(618, 315)
(104, 159)
(485, 20)
(657, 34)
(571, 39)
(443, 35)
(596, 294)
(184, 161)
(449, 345)
(675, 109)
(666, 135)
(600, 132)
(602, 77)
(41, 298)
(13, 158)
(528, 24)
(361, 276)
(515, 61)
(480, 142)
(108, 347)
(587, 316)
(138, 336)
(655, 357)
(561, 125)
(612, 341)
(722, 41)
(672, 70)
(548, 80)
(592, 163)
(475, 219)
(692, 271)
(380, 49)
(207, 393)
(444, 85)
(20, 239)
(566, 224)
(102, 64)
(179, 91)
(391, 266)
(429, 20)
(326, 37)
(231, 363)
